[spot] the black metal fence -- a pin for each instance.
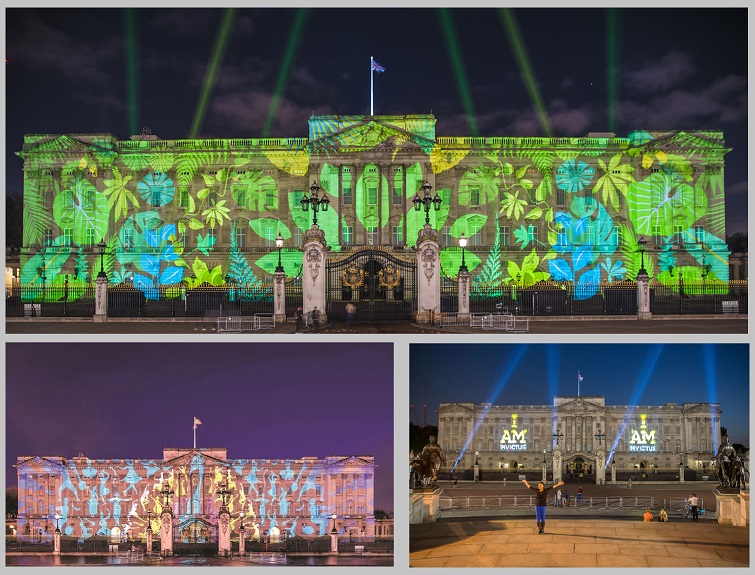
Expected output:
(294, 295)
(59, 300)
(699, 297)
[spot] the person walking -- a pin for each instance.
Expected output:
(541, 492)
(299, 317)
(316, 319)
(351, 309)
(559, 499)
(580, 494)
(693, 503)
(565, 500)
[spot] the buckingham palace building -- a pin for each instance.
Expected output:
(173, 214)
(578, 435)
(271, 499)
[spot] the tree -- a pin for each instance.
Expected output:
(11, 501)
(737, 242)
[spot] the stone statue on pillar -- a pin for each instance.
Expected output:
(224, 522)
(279, 296)
(464, 278)
(314, 270)
(428, 276)
(557, 458)
(600, 467)
(166, 523)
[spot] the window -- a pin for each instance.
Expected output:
(474, 196)
(699, 234)
(269, 235)
(90, 241)
(475, 238)
(532, 231)
(505, 237)
(560, 197)
(372, 235)
(212, 196)
(240, 235)
(347, 235)
(88, 199)
(397, 235)
(348, 196)
(372, 195)
(298, 237)
(180, 234)
(47, 236)
(270, 198)
(657, 234)
(128, 237)
(678, 430)
(445, 232)
(590, 235)
(398, 195)
(298, 195)
(212, 237)
(678, 235)
(184, 199)
(561, 238)
(67, 236)
(589, 198)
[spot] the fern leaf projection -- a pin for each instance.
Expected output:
(36, 217)
(492, 273)
(82, 265)
(251, 288)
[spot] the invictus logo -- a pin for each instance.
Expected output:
(642, 440)
(513, 439)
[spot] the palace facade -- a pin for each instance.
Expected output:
(116, 498)
(208, 211)
(515, 437)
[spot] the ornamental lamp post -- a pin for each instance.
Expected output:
(642, 242)
(102, 245)
(426, 200)
(463, 244)
(279, 245)
(57, 520)
(315, 200)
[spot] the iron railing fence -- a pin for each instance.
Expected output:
(58, 300)
(294, 295)
(449, 294)
(698, 297)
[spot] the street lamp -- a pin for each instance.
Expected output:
(102, 245)
(279, 245)
(57, 519)
(642, 242)
(427, 200)
(558, 435)
(334, 531)
(463, 244)
(315, 200)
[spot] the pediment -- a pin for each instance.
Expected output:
(360, 133)
(580, 406)
(449, 408)
(67, 144)
(38, 462)
(352, 461)
(194, 458)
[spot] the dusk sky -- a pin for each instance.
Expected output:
(92, 70)
(258, 400)
(625, 374)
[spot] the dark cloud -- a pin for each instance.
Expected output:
(660, 75)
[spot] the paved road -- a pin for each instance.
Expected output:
(715, 325)
(572, 542)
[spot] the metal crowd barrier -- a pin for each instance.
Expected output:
(240, 323)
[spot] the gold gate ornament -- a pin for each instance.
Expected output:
(352, 277)
(389, 277)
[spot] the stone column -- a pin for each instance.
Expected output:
(428, 274)
(224, 532)
(557, 464)
(166, 532)
(681, 474)
(643, 295)
(333, 539)
(600, 467)
(613, 473)
(100, 301)
(242, 540)
(279, 296)
(464, 278)
(56, 542)
(314, 271)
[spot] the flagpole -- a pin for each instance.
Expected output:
(578, 380)
(195, 436)
(371, 99)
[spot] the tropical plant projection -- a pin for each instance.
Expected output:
(96, 497)
(187, 213)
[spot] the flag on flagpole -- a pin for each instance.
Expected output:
(375, 66)
(579, 375)
(196, 422)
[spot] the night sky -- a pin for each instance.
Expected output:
(625, 374)
(131, 400)
(82, 71)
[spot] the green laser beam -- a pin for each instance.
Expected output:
(454, 53)
(294, 39)
(132, 74)
(520, 52)
(218, 50)
(612, 43)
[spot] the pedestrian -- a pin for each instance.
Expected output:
(316, 319)
(559, 499)
(299, 317)
(648, 515)
(456, 481)
(565, 501)
(693, 503)
(662, 515)
(351, 309)
(541, 492)
(580, 494)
